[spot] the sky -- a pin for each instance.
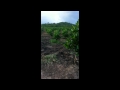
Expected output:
(59, 16)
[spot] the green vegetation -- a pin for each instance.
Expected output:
(64, 30)
(49, 59)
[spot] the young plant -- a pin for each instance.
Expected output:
(72, 41)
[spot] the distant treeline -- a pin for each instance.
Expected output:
(60, 24)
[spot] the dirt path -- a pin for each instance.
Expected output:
(56, 61)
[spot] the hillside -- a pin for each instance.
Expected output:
(60, 24)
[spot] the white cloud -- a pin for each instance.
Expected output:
(55, 16)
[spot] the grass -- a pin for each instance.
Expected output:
(49, 59)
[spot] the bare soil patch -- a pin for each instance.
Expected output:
(56, 61)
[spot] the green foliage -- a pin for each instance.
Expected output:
(72, 41)
(49, 31)
(65, 33)
(69, 32)
(56, 34)
(61, 24)
(54, 41)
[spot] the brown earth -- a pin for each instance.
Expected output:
(56, 61)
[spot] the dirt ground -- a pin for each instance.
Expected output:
(56, 61)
